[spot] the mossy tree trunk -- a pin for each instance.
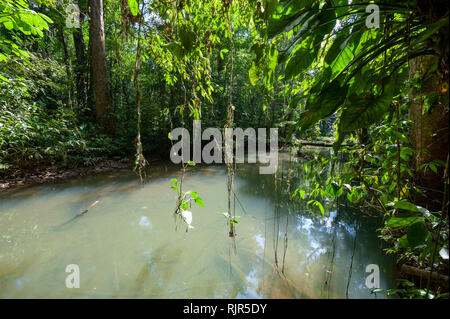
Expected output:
(429, 115)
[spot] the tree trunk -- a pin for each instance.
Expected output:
(103, 108)
(81, 67)
(429, 132)
(66, 63)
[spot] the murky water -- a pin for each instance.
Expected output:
(127, 246)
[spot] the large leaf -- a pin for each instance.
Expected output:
(300, 61)
(343, 50)
(417, 234)
(272, 65)
(293, 13)
(360, 111)
(323, 104)
(405, 205)
(403, 220)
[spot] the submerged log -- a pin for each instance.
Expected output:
(442, 280)
(79, 214)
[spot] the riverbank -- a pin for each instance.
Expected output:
(16, 178)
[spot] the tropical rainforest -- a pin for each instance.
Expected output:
(94, 83)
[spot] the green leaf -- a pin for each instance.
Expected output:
(433, 167)
(253, 74)
(403, 220)
(194, 194)
(8, 25)
(199, 202)
(302, 193)
(343, 49)
(295, 12)
(2, 78)
(417, 233)
(405, 205)
(320, 207)
(271, 66)
(190, 163)
(403, 242)
(222, 52)
(175, 181)
(133, 7)
(299, 62)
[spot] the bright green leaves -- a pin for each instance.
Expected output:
(15, 16)
(302, 193)
(197, 199)
(8, 25)
(134, 8)
(272, 60)
(293, 13)
(222, 53)
(305, 44)
(343, 50)
(27, 22)
(257, 64)
(317, 204)
(253, 74)
(176, 182)
(355, 69)
(185, 198)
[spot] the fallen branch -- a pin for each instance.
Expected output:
(442, 280)
(320, 143)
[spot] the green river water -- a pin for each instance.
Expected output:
(127, 246)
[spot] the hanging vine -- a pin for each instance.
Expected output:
(229, 124)
(140, 162)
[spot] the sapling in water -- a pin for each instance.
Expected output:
(184, 201)
(231, 221)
